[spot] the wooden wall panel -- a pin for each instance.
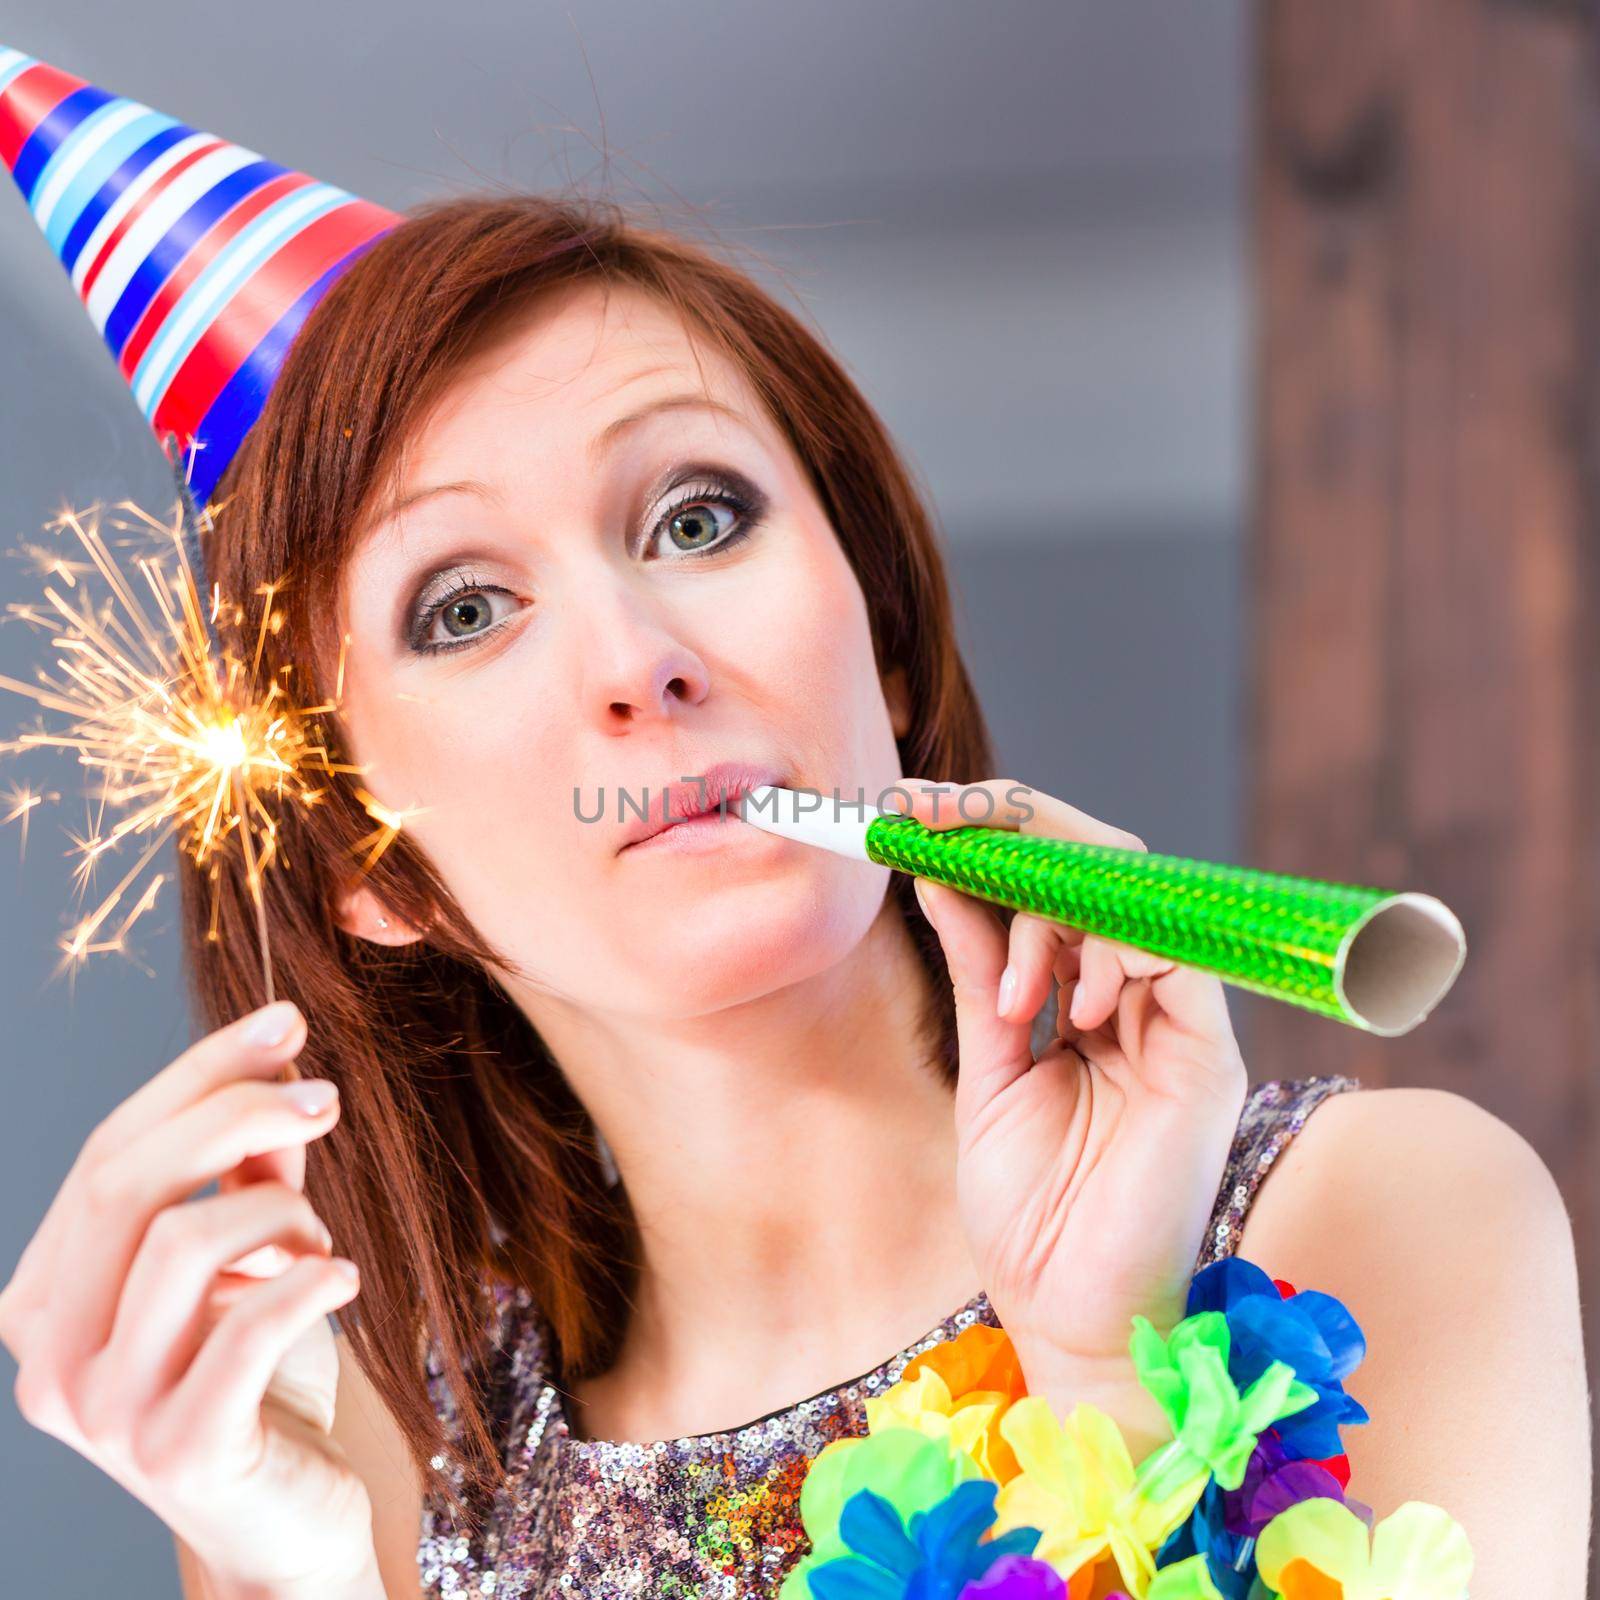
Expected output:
(1422, 567)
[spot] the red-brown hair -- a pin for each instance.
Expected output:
(453, 1112)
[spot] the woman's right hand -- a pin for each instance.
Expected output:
(208, 1394)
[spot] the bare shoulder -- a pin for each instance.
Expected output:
(366, 1430)
(1443, 1231)
(1408, 1157)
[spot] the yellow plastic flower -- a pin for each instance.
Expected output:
(1077, 1486)
(959, 1390)
(924, 1404)
(1318, 1550)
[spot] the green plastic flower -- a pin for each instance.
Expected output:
(1212, 1422)
(1189, 1579)
(910, 1470)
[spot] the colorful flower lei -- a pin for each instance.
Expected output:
(965, 1487)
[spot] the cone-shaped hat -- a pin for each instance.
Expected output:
(197, 260)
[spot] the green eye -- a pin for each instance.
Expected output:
(467, 614)
(461, 616)
(695, 525)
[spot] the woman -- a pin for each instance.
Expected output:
(573, 511)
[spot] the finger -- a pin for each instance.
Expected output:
(161, 1315)
(121, 1194)
(1035, 946)
(992, 1051)
(1002, 803)
(258, 1045)
(214, 1411)
(285, 1165)
(940, 805)
(1069, 958)
(1188, 995)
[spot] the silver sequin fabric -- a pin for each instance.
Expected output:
(710, 1516)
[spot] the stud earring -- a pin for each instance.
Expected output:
(383, 922)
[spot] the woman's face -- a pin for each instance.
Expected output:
(600, 572)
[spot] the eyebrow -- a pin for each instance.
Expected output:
(460, 486)
(598, 446)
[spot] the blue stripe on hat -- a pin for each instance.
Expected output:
(89, 132)
(220, 279)
(108, 193)
(43, 142)
(169, 251)
(236, 408)
(87, 183)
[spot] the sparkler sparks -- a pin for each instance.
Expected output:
(185, 740)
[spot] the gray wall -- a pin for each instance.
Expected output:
(1019, 224)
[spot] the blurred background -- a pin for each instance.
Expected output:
(1248, 357)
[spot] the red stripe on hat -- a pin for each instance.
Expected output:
(140, 206)
(29, 98)
(253, 312)
(226, 228)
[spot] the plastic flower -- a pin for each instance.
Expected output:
(1313, 1332)
(1213, 1423)
(1186, 1580)
(1225, 1522)
(978, 1358)
(1274, 1480)
(957, 1392)
(1079, 1488)
(909, 1470)
(932, 1555)
(1319, 1550)
(1017, 1577)
(979, 1368)
(1229, 1557)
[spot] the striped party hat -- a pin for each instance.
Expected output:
(196, 259)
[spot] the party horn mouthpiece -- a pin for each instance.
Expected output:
(1373, 958)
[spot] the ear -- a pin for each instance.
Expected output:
(360, 912)
(898, 698)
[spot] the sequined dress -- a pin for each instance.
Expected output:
(710, 1516)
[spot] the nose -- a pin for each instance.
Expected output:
(634, 662)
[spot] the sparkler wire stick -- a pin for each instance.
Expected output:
(1372, 958)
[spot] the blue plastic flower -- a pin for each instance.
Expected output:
(1230, 1558)
(1313, 1332)
(930, 1557)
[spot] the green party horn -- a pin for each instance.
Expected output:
(1372, 958)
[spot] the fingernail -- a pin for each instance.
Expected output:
(311, 1095)
(922, 899)
(1076, 1009)
(272, 1024)
(1008, 991)
(349, 1269)
(327, 1237)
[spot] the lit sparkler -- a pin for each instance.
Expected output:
(187, 741)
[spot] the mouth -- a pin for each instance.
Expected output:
(712, 799)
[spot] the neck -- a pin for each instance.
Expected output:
(791, 1162)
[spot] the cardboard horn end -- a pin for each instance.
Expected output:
(1400, 962)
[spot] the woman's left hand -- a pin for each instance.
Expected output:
(1085, 1177)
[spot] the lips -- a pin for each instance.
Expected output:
(719, 788)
